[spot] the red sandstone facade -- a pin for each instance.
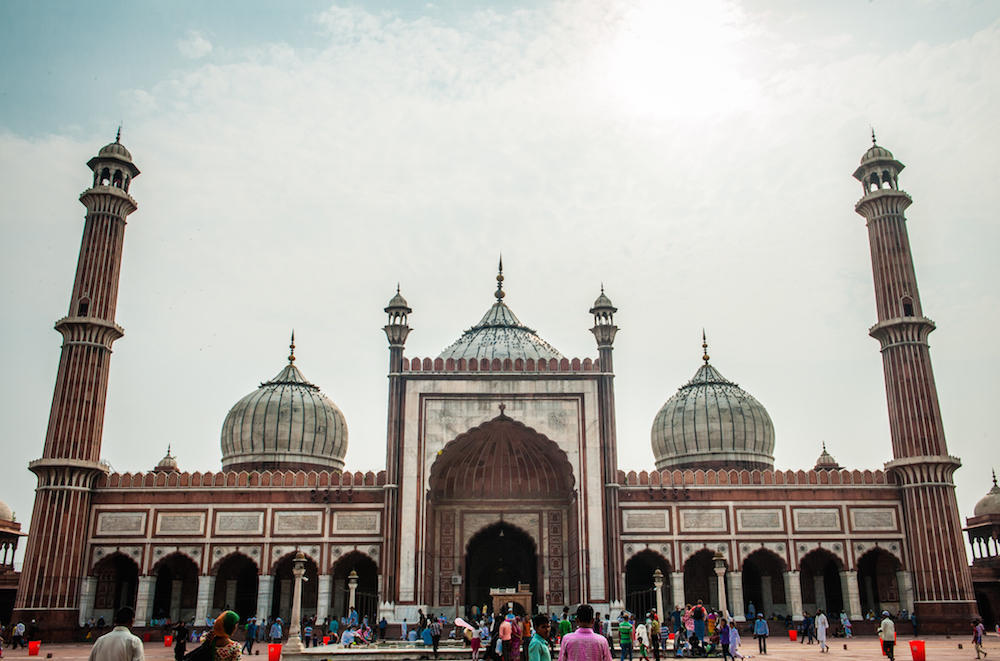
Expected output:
(501, 470)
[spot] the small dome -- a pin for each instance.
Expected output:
(826, 461)
(602, 303)
(500, 334)
(116, 150)
(877, 153)
(286, 423)
(990, 503)
(6, 513)
(712, 423)
(397, 302)
(168, 464)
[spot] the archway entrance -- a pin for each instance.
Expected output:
(117, 583)
(819, 579)
(877, 581)
(764, 583)
(281, 600)
(236, 586)
(366, 598)
(640, 592)
(494, 494)
(700, 581)
(175, 593)
(500, 556)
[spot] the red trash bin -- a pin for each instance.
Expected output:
(168, 641)
(145, 637)
(918, 650)
(33, 647)
(793, 635)
(326, 640)
(274, 652)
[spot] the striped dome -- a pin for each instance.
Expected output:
(712, 423)
(286, 423)
(500, 334)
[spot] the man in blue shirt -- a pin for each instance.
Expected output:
(538, 648)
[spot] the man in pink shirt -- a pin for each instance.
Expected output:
(583, 644)
(505, 632)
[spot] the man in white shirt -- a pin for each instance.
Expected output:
(887, 632)
(119, 644)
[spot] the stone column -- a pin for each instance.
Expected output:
(766, 596)
(677, 587)
(719, 564)
(352, 586)
(323, 597)
(88, 592)
(793, 594)
(904, 583)
(265, 592)
(206, 586)
(230, 593)
(736, 596)
(820, 589)
(658, 586)
(175, 599)
(294, 644)
(852, 597)
(142, 598)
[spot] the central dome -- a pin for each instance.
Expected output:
(500, 334)
(711, 422)
(286, 423)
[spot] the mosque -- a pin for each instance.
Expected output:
(501, 478)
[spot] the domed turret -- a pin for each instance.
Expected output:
(168, 464)
(712, 423)
(826, 462)
(6, 513)
(286, 423)
(989, 504)
(500, 334)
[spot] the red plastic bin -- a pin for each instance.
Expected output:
(793, 635)
(33, 647)
(274, 652)
(168, 641)
(918, 650)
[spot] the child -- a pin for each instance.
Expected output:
(734, 644)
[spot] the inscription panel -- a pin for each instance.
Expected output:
(697, 520)
(817, 519)
(180, 523)
(121, 523)
(239, 523)
(645, 521)
(355, 522)
(758, 520)
(298, 522)
(873, 519)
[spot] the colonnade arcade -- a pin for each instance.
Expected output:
(766, 584)
(174, 590)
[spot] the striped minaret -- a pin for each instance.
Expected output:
(54, 562)
(942, 584)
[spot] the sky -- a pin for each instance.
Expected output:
(300, 159)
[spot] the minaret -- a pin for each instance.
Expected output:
(604, 331)
(54, 562)
(943, 595)
(396, 331)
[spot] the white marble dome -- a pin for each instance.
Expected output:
(990, 503)
(712, 423)
(500, 334)
(286, 423)
(6, 513)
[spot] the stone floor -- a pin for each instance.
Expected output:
(939, 648)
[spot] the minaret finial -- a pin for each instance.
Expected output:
(397, 287)
(291, 349)
(118, 136)
(168, 449)
(499, 293)
(602, 287)
(704, 347)
(873, 135)
(994, 478)
(824, 446)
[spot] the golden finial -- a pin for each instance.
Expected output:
(499, 293)
(291, 349)
(704, 347)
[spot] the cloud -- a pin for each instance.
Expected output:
(194, 45)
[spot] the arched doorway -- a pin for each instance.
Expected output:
(499, 556)
(877, 584)
(700, 581)
(640, 592)
(764, 583)
(501, 477)
(175, 593)
(236, 580)
(366, 597)
(117, 583)
(819, 578)
(281, 600)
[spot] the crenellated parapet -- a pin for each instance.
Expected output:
(521, 365)
(699, 477)
(242, 479)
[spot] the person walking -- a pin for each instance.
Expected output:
(608, 632)
(654, 635)
(538, 646)
(181, 634)
(583, 644)
(977, 637)
(734, 644)
(251, 636)
(642, 640)
(676, 620)
(626, 636)
(724, 630)
(275, 632)
(119, 644)
(506, 633)
(761, 632)
(435, 635)
(887, 634)
(699, 615)
(822, 624)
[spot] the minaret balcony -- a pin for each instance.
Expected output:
(902, 330)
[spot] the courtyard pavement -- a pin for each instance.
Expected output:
(939, 648)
